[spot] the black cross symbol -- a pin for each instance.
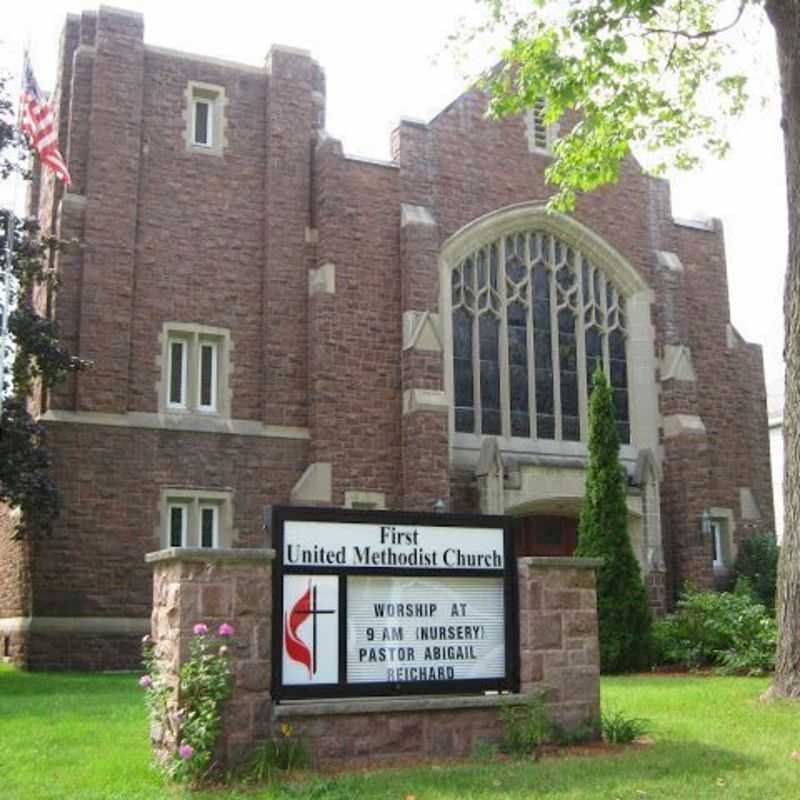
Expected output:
(314, 612)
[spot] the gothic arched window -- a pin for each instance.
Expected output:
(532, 316)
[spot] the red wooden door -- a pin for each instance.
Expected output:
(546, 535)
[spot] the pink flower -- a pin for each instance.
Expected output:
(145, 681)
(225, 629)
(185, 751)
(201, 629)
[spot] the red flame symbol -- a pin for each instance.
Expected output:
(296, 649)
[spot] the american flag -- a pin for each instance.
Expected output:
(37, 123)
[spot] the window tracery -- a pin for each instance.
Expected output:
(532, 316)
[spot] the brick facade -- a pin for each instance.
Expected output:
(325, 272)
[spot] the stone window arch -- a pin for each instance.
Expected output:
(534, 300)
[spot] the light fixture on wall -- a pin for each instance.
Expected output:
(439, 506)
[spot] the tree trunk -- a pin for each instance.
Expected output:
(785, 18)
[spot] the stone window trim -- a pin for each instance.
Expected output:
(638, 297)
(648, 476)
(213, 98)
(364, 500)
(541, 135)
(196, 507)
(206, 353)
(723, 544)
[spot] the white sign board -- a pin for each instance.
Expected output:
(409, 547)
(417, 629)
(369, 605)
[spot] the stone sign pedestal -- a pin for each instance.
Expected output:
(192, 585)
(558, 659)
(559, 650)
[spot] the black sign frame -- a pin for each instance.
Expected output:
(279, 515)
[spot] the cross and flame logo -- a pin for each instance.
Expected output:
(297, 648)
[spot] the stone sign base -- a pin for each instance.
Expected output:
(393, 729)
(559, 661)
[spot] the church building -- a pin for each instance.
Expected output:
(272, 321)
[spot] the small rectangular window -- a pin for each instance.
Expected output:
(195, 370)
(177, 374)
(204, 116)
(208, 526)
(196, 518)
(716, 538)
(177, 525)
(539, 126)
(208, 376)
(202, 122)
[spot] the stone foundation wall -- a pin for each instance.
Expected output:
(558, 657)
(81, 651)
(70, 643)
(14, 648)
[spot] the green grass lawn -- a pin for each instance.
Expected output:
(85, 737)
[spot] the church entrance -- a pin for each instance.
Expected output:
(546, 535)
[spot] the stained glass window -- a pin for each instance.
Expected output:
(532, 319)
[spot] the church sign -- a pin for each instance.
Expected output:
(386, 603)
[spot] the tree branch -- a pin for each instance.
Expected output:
(675, 37)
(700, 34)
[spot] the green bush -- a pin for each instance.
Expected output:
(757, 561)
(204, 684)
(622, 609)
(728, 630)
(483, 750)
(525, 727)
(585, 732)
(618, 728)
(283, 753)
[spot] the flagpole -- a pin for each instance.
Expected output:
(38, 125)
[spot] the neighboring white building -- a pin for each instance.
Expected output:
(776, 463)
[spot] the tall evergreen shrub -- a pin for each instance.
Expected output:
(757, 561)
(623, 612)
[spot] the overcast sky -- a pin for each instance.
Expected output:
(380, 60)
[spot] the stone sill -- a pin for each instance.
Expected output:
(560, 561)
(185, 422)
(391, 705)
(221, 555)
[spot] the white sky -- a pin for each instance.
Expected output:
(380, 60)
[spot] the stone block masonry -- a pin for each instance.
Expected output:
(233, 586)
(559, 651)
(558, 657)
